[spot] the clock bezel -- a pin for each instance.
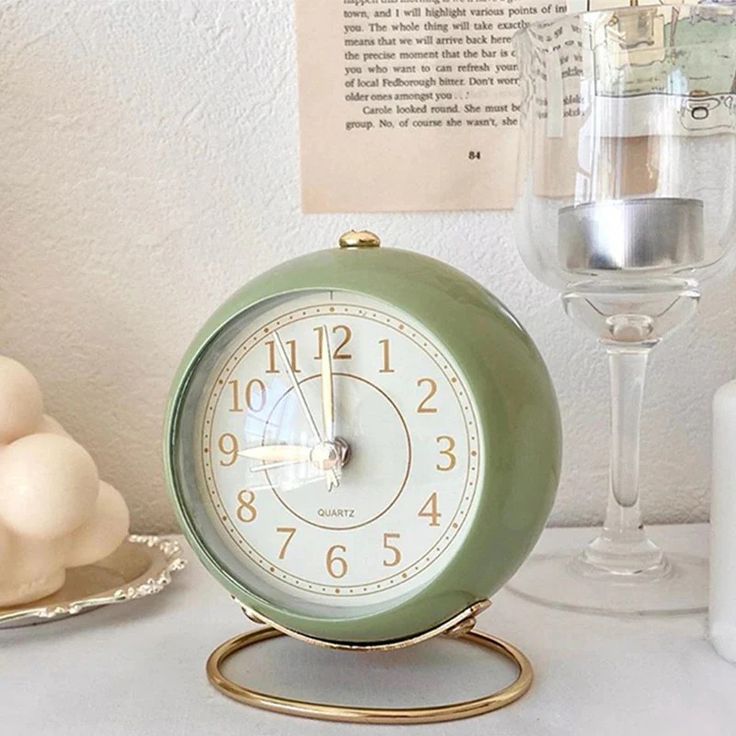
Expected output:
(516, 491)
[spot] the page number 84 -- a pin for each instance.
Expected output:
(474, 155)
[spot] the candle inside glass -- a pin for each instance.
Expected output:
(653, 233)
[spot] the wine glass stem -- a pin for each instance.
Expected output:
(627, 366)
(623, 547)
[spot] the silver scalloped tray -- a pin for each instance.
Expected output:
(141, 566)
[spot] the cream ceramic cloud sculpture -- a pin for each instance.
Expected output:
(55, 513)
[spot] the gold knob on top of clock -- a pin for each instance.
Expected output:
(359, 239)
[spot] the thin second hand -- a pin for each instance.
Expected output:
(274, 466)
(300, 394)
(297, 388)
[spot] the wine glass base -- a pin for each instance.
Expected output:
(555, 580)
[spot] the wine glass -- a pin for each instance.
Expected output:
(625, 204)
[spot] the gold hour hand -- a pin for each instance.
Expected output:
(278, 453)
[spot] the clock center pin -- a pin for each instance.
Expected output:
(330, 454)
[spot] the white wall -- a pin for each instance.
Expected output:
(149, 166)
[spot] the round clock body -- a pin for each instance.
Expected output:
(361, 444)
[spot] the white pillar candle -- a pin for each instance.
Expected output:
(723, 524)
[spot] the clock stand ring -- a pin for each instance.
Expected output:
(459, 627)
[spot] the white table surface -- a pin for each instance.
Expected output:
(138, 668)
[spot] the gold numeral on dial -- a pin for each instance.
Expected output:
(236, 405)
(430, 510)
(290, 531)
(255, 395)
(424, 405)
(389, 537)
(346, 335)
(228, 446)
(337, 566)
(271, 345)
(272, 363)
(386, 349)
(447, 452)
(246, 510)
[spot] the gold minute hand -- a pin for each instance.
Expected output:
(328, 405)
(328, 402)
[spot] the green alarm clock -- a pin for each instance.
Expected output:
(362, 446)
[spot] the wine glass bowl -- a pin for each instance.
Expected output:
(626, 196)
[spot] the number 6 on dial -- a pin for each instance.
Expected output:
(337, 566)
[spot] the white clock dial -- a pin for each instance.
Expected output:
(339, 449)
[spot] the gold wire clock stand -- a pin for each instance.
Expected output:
(459, 627)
